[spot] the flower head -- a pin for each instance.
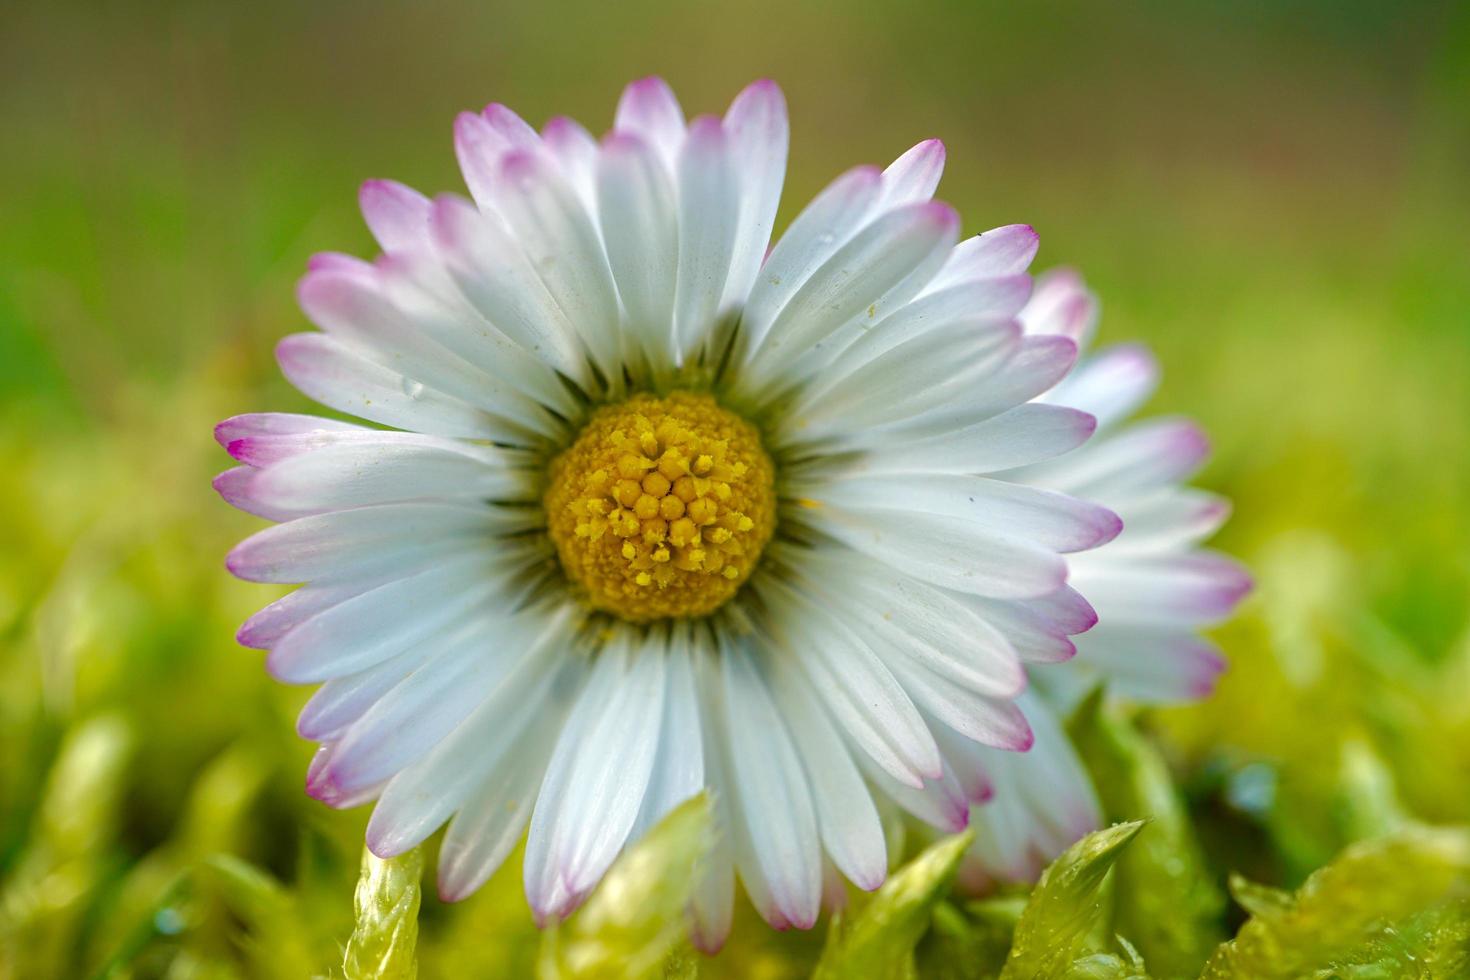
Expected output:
(647, 510)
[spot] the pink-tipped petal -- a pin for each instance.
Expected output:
(397, 215)
(1111, 384)
(649, 108)
(510, 127)
(339, 263)
(1196, 588)
(1004, 251)
(914, 176)
(759, 136)
(276, 424)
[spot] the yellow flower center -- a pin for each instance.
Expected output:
(661, 507)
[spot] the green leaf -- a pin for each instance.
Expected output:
(80, 808)
(969, 947)
(1067, 908)
(45, 897)
(878, 941)
(1260, 900)
(387, 907)
(1367, 797)
(1108, 966)
(274, 936)
(1167, 902)
(635, 918)
(1397, 902)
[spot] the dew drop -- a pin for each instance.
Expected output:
(412, 388)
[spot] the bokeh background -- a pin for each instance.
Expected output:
(1274, 195)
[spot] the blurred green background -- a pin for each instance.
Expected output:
(1274, 195)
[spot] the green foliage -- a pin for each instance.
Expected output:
(877, 941)
(636, 916)
(1170, 906)
(44, 901)
(1064, 927)
(970, 944)
(275, 940)
(1398, 906)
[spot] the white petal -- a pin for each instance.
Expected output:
(341, 377)
(427, 705)
(846, 817)
(641, 229)
(862, 694)
(353, 308)
(709, 216)
(510, 127)
(521, 715)
(349, 475)
(967, 759)
(1169, 519)
(1038, 628)
(1144, 457)
(712, 904)
(1111, 384)
(262, 630)
(988, 720)
(824, 226)
(759, 134)
(256, 425)
(1152, 664)
(1062, 305)
(421, 287)
(774, 813)
(322, 792)
(1043, 802)
(949, 553)
(361, 542)
(678, 770)
(1039, 363)
(1004, 251)
(575, 151)
(935, 368)
(987, 303)
(545, 890)
(552, 226)
(880, 269)
(488, 827)
(914, 176)
(479, 147)
(610, 776)
(648, 108)
(497, 279)
(908, 617)
(235, 487)
(1023, 435)
(267, 448)
(1194, 588)
(1041, 517)
(397, 215)
(939, 802)
(342, 700)
(382, 622)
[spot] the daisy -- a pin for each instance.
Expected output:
(648, 510)
(1153, 587)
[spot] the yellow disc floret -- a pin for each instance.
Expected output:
(661, 507)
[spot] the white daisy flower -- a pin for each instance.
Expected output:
(1153, 586)
(658, 512)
